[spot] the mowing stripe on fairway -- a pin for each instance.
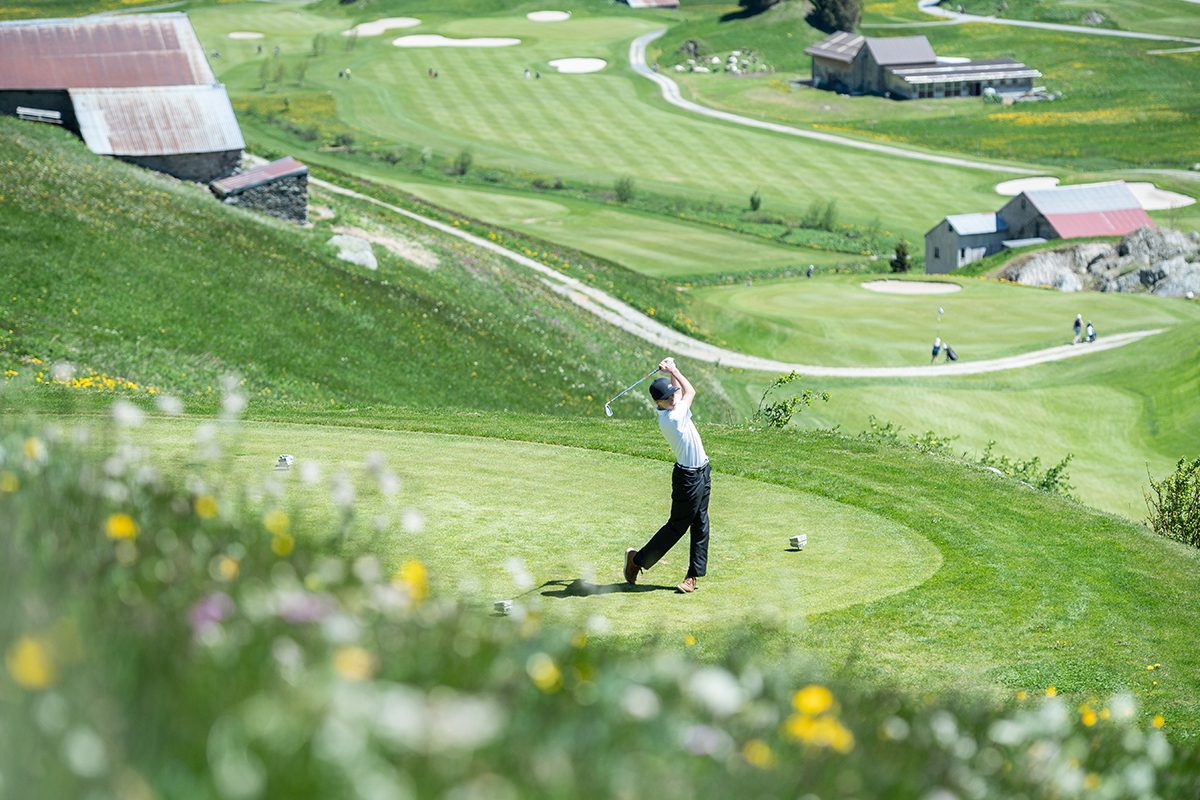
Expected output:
(671, 93)
(638, 324)
(931, 7)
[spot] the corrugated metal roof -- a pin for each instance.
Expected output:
(156, 121)
(971, 71)
(970, 224)
(839, 46)
(1083, 198)
(102, 52)
(235, 184)
(1099, 223)
(896, 50)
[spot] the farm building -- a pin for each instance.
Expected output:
(279, 189)
(1035, 215)
(136, 87)
(906, 67)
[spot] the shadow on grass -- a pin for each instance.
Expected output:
(581, 588)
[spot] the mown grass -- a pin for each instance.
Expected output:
(1149, 16)
(212, 641)
(1138, 109)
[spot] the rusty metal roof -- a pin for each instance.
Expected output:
(102, 52)
(154, 121)
(235, 184)
(839, 46)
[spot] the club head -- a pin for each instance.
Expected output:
(607, 410)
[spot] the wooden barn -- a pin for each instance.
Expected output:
(1035, 215)
(905, 67)
(136, 87)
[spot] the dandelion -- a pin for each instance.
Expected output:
(413, 577)
(206, 506)
(282, 545)
(1087, 716)
(1051, 691)
(226, 568)
(544, 673)
(121, 526)
(1159, 721)
(276, 523)
(1022, 695)
(689, 640)
(812, 700)
(9, 483)
(34, 450)
(758, 754)
(31, 664)
(353, 663)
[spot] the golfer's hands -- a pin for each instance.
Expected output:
(667, 365)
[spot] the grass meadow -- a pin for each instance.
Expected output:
(1149, 16)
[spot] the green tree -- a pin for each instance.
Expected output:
(755, 201)
(835, 15)
(624, 189)
(901, 262)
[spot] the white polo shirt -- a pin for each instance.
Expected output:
(677, 426)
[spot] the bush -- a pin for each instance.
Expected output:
(755, 201)
(1054, 479)
(779, 413)
(462, 163)
(624, 189)
(835, 15)
(901, 262)
(1174, 504)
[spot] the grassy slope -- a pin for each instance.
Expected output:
(482, 102)
(1032, 591)
(97, 270)
(1139, 110)
(1169, 17)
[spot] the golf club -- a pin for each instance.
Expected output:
(607, 406)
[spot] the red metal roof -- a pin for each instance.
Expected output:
(155, 121)
(102, 52)
(1099, 223)
(283, 168)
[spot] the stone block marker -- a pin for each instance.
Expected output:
(279, 189)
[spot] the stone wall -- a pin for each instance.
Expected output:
(200, 167)
(286, 198)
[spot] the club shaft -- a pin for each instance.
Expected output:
(634, 384)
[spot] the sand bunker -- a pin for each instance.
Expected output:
(911, 287)
(578, 65)
(557, 16)
(1014, 188)
(245, 35)
(437, 40)
(1153, 198)
(381, 26)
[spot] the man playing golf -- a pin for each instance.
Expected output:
(691, 481)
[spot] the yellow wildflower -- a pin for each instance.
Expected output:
(579, 641)
(1105, 713)
(9, 482)
(121, 526)
(353, 663)
(758, 754)
(206, 506)
(34, 449)
(813, 700)
(31, 664)
(276, 522)
(1021, 695)
(283, 544)
(413, 576)
(1088, 717)
(227, 568)
(1051, 691)
(1159, 721)
(1091, 782)
(689, 640)
(544, 673)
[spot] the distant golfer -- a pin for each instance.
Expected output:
(691, 482)
(1078, 328)
(1091, 332)
(937, 348)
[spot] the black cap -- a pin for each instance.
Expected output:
(662, 388)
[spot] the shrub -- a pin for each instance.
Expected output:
(779, 413)
(462, 163)
(1174, 504)
(1053, 479)
(901, 262)
(829, 216)
(835, 15)
(624, 189)
(755, 200)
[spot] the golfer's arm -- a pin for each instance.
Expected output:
(685, 386)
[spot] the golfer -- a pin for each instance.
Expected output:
(691, 482)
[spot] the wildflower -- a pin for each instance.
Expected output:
(169, 405)
(9, 483)
(226, 568)
(34, 450)
(689, 640)
(413, 576)
(31, 664)
(812, 700)
(206, 506)
(823, 731)
(276, 523)
(126, 414)
(353, 663)
(544, 673)
(283, 544)
(1159, 721)
(1087, 716)
(208, 612)
(1022, 695)
(1051, 691)
(640, 702)
(717, 690)
(758, 754)
(121, 526)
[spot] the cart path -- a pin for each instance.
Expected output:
(671, 93)
(932, 7)
(638, 324)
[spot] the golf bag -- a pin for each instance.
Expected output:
(950, 354)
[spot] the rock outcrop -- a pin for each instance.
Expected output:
(1155, 260)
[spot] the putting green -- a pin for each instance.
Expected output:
(568, 514)
(832, 320)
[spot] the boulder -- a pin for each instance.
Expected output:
(1180, 278)
(354, 249)
(1159, 244)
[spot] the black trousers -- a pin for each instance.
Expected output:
(690, 489)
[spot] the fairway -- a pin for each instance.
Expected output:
(653, 246)
(567, 515)
(832, 321)
(595, 127)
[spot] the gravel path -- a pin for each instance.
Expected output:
(932, 7)
(638, 324)
(671, 93)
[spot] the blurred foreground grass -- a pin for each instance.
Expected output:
(187, 637)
